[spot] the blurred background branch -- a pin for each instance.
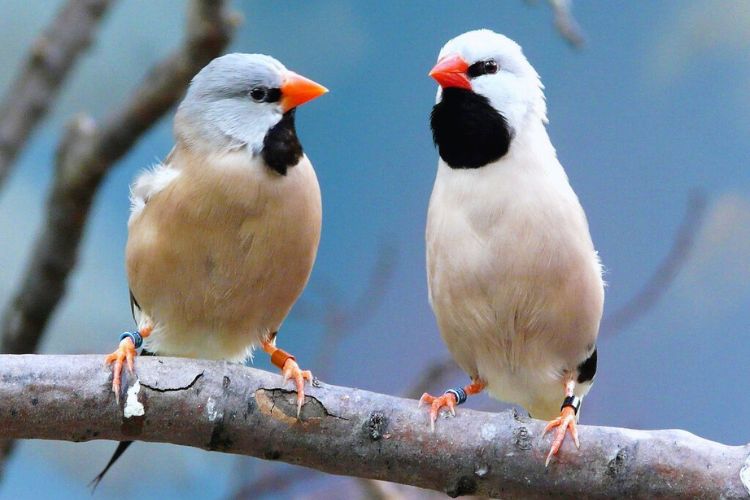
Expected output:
(653, 290)
(85, 155)
(565, 23)
(340, 319)
(52, 55)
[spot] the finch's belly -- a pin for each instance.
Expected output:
(232, 286)
(516, 323)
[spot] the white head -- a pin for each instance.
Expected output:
(235, 100)
(509, 82)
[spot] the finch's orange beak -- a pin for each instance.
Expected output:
(450, 71)
(297, 90)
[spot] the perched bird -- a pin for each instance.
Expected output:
(514, 280)
(223, 234)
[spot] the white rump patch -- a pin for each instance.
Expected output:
(147, 185)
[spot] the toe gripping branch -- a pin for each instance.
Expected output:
(572, 402)
(459, 393)
(136, 337)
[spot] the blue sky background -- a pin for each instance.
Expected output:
(654, 105)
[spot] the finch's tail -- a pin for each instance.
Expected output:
(118, 452)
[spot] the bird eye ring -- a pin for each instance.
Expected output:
(258, 94)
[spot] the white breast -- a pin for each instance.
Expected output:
(514, 280)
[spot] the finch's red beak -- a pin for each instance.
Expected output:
(297, 90)
(450, 71)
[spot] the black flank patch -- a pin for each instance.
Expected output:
(133, 305)
(281, 147)
(467, 130)
(587, 369)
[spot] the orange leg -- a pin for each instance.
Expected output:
(566, 421)
(290, 370)
(449, 399)
(125, 353)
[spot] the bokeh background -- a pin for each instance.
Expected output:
(653, 106)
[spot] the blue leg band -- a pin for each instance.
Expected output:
(134, 336)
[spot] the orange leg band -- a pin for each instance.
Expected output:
(279, 358)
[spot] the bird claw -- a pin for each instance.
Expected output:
(436, 404)
(566, 421)
(291, 371)
(125, 353)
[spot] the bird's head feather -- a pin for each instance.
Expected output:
(236, 99)
(496, 68)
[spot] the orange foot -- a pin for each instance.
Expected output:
(447, 400)
(291, 371)
(566, 420)
(125, 353)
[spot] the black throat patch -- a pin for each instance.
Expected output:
(467, 130)
(281, 147)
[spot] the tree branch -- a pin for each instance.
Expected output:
(84, 157)
(231, 408)
(643, 301)
(338, 320)
(51, 57)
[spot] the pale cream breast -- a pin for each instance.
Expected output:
(218, 257)
(514, 280)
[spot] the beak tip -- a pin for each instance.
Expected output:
(297, 90)
(450, 71)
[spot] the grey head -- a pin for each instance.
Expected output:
(235, 100)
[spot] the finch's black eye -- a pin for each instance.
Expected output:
(264, 94)
(479, 68)
(258, 94)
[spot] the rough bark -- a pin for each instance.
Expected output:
(231, 408)
(42, 73)
(86, 154)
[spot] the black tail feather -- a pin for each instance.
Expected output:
(123, 444)
(118, 452)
